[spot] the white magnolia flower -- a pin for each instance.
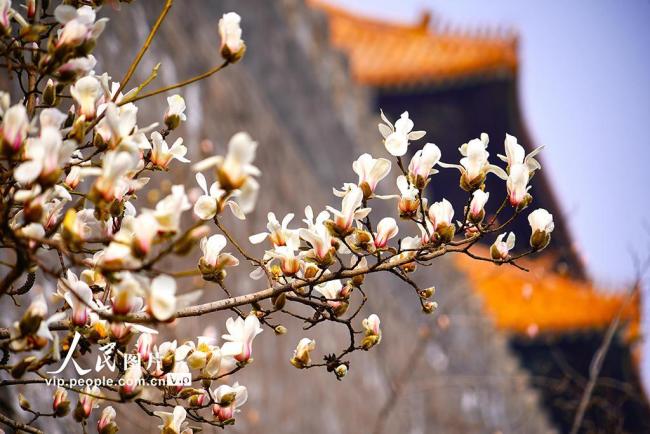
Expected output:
(119, 128)
(173, 423)
(475, 165)
(477, 205)
(79, 297)
(302, 354)
(89, 399)
(501, 249)
(14, 127)
(372, 332)
(517, 184)
(235, 172)
(386, 229)
(45, 154)
(408, 201)
(350, 211)
(441, 214)
(79, 25)
(232, 45)
(210, 203)
(86, 93)
(228, 399)
(162, 154)
(279, 234)
(541, 224)
(5, 7)
(290, 262)
(131, 381)
(106, 419)
(318, 236)
(213, 260)
(115, 166)
(422, 163)
(161, 297)
(370, 171)
(175, 113)
(168, 211)
(396, 138)
(515, 154)
(240, 337)
(76, 67)
(144, 345)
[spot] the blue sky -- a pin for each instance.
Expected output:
(585, 92)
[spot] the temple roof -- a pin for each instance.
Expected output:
(542, 301)
(387, 54)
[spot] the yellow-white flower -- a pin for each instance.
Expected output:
(277, 233)
(174, 422)
(86, 93)
(161, 297)
(517, 184)
(477, 205)
(474, 165)
(350, 211)
(515, 154)
(302, 354)
(79, 25)
(501, 249)
(541, 224)
(232, 45)
(162, 154)
(422, 163)
(396, 138)
(175, 113)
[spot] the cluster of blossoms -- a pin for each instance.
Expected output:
(74, 161)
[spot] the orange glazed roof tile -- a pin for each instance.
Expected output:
(387, 54)
(542, 301)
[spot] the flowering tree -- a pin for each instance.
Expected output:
(73, 161)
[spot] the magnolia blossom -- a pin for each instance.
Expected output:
(302, 354)
(422, 163)
(541, 224)
(131, 381)
(370, 171)
(372, 332)
(515, 154)
(408, 201)
(143, 346)
(162, 154)
(89, 400)
(113, 178)
(228, 400)
(204, 355)
(76, 67)
(278, 233)
(86, 93)
(119, 130)
(333, 291)
(47, 153)
(161, 298)
(474, 165)
(318, 236)
(350, 211)
(501, 249)
(5, 7)
(168, 211)
(79, 25)
(60, 403)
(240, 337)
(396, 138)
(79, 297)
(173, 423)
(232, 45)
(386, 229)
(213, 262)
(106, 423)
(517, 184)
(441, 215)
(477, 205)
(175, 113)
(209, 204)
(14, 127)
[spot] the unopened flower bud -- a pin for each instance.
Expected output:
(232, 46)
(33, 316)
(426, 293)
(106, 423)
(60, 403)
(429, 306)
(280, 330)
(49, 94)
(22, 401)
(341, 371)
